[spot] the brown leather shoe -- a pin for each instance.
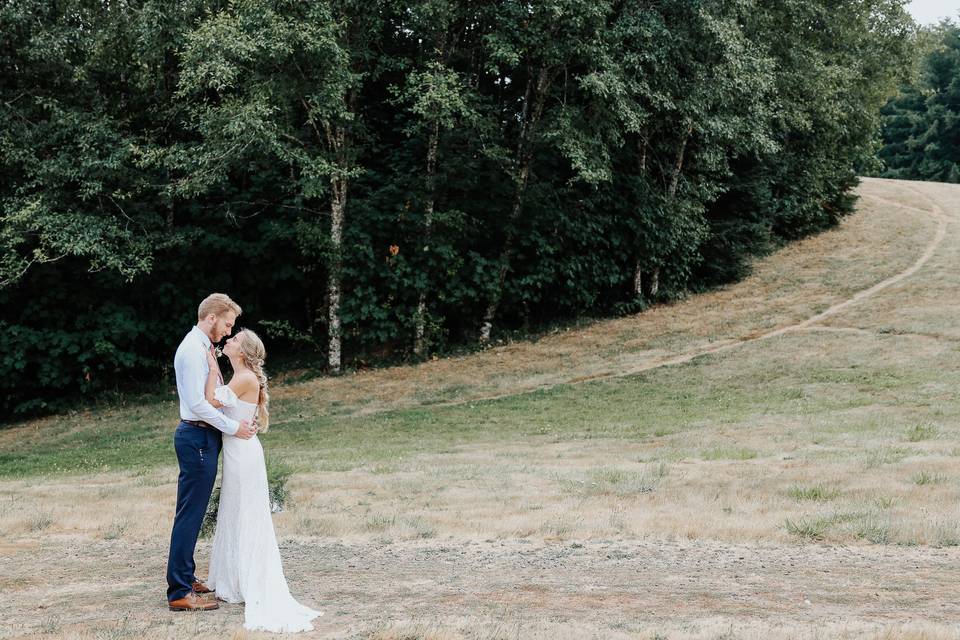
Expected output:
(199, 587)
(193, 602)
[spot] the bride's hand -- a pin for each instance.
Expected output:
(212, 361)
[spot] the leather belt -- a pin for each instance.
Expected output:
(199, 423)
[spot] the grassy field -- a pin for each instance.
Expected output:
(777, 458)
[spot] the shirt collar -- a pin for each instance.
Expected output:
(204, 338)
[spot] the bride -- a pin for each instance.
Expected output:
(245, 561)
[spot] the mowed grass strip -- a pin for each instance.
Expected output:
(761, 384)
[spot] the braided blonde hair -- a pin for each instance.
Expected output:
(254, 353)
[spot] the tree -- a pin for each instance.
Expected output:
(530, 46)
(284, 79)
(438, 99)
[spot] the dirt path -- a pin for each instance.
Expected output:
(600, 586)
(601, 582)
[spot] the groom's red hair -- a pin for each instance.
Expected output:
(217, 304)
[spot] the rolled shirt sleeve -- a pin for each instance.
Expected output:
(191, 367)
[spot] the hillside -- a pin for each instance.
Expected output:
(776, 458)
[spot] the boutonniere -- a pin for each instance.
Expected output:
(218, 351)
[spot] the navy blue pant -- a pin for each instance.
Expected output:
(197, 452)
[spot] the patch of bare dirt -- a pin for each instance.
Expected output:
(596, 584)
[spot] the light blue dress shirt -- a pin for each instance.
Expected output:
(192, 369)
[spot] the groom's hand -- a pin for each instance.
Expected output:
(246, 430)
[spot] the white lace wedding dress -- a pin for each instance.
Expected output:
(245, 561)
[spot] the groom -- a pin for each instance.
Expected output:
(197, 442)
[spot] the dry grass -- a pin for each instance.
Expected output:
(710, 629)
(420, 511)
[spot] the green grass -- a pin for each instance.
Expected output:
(380, 522)
(865, 525)
(948, 535)
(884, 502)
(622, 482)
(730, 453)
(39, 522)
(808, 528)
(116, 529)
(816, 493)
(920, 432)
(873, 529)
(623, 408)
(884, 456)
(922, 478)
(742, 389)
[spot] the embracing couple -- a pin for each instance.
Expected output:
(245, 560)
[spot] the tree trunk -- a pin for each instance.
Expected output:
(338, 142)
(638, 267)
(678, 166)
(420, 330)
(504, 261)
(672, 191)
(528, 124)
(419, 341)
(337, 205)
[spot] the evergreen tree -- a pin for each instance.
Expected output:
(921, 125)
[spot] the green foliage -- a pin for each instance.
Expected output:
(808, 528)
(921, 124)
(278, 472)
(924, 477)
(816, 493)
(550, 161)
(209, 525)
(920, 432)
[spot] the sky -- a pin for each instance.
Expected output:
(930, 11)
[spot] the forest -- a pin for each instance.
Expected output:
(921, 124)
(388, 181)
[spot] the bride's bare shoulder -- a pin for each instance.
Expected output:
(244, 382)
